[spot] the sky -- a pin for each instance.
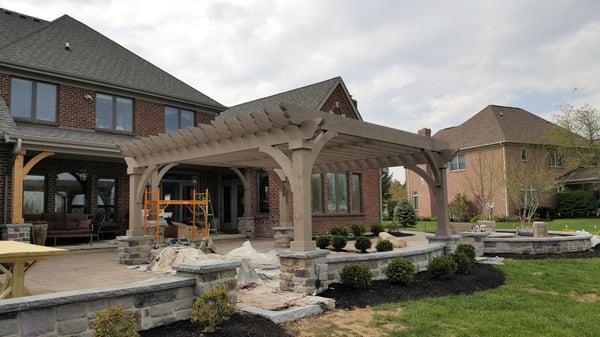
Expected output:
(410, 64)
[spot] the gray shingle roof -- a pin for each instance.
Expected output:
(14, 26)
(497, 124)
(7, 124)
(78, 136)
(92, 56)
(582, 174)
(311, 96)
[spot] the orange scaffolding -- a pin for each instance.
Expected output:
(154, 206)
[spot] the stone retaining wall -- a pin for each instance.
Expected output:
(559, 242)
(420, 256)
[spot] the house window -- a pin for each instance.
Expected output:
(33, 99)
(415, 200)
(34, 194)
(524, 155)
(458, 163)
(176, 119)
(263, 192)
(356, 194)
(317, 193)
(555, 159)
(106, 198)
(337, 193)
(529, 196)
(114, 113)
(70, 196)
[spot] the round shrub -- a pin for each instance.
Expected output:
(376, 229)
(339, 230)
(211, 309)
(466, 249)
(358, 229)
(362, 243)
(400, 270)
(464, 256)
(115, 322)
(356, 275)
(338, 242)
(442, 267)
(323, 241)
(384, 246)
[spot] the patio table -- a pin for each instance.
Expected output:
(20, 258)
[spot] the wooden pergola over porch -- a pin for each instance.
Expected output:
(294, 142)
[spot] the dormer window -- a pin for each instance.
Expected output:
(176, 119)
(33, 99)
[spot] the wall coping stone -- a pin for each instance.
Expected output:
(563, 237)
(443, 238)
(135, 238)
(15, 225)
(283, 228)
(303, 255)
(475, 234)
(431, 247)
(206, 266)
(286, 315)
(86, 295)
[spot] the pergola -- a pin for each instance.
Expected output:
(294, 142)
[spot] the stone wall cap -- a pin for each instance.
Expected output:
(476, 234)
(303, 255)
(283, 228)
(9, 225)
(431, 247)
(443, 237)
(135, 238)
(86, 295)
(206, 266)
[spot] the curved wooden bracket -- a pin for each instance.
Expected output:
(157, 176)
(280, 158)
(144, 179)
(423, 174)
(240, 175)
(33, 161)
(320, 142)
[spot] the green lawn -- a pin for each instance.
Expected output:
(591, 225)
(540, 298)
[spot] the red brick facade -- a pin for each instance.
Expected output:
(338, 103)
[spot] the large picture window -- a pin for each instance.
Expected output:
(70, 196)
(107, 198)
(337, 193)
(263, 192)
(317, 193)
(33, 99)
(356, 194)
(34, 188)
(176, 119)
(114, 113)
(458, 163)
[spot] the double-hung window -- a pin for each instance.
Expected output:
(415, 200)
(176, 119)
(356, 193)
(556, 159)
(263, 192)
(114, 113)
(337, 193)
(33, 99)
(317, 193)
(458, 163)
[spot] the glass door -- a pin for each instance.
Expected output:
(231, 206)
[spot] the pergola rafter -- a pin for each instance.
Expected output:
(294, 142)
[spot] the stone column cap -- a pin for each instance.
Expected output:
(303, 255)
(283, 228)
(135, 238)
(206, 266)
(476, 234)
(443, 237)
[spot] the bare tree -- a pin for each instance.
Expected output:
(483, 181)
(579, 133)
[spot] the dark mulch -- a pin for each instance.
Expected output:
(592, 253)
(239, 325)
(482, 277)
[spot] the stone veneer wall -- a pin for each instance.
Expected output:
(18, 232)
(420, 256)
(560, 242)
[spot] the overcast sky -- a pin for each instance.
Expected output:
(409, 64)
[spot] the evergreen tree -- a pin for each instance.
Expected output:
(404, 214)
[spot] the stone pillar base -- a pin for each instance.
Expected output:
(475, 239)
(540, 229)
(16, 232)
(246, 226)
(282, 236)
(211, 274)
(135, 249)
(451, 242)
(303, 272)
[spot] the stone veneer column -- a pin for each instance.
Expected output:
(211, 274)
(475, 239)
(451, 241)
(16, 232)
(135, 249)
(303, 272)
(246, 226)
(282, 236)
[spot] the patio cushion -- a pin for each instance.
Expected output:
(84, 224)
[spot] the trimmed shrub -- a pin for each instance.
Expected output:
(339, 230)
(338, 242)
(464, 256)
(211, 309)
(323, 241)
(461, 208)
(362, 243)
(442, 267)
(384, 246)
(400, 270)
(358, 229)
(404, 214)
(467, 249)
(376, 229)
(576, 203)
(115, 322)
(356, 275)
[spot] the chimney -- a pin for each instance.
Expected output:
(424, 132)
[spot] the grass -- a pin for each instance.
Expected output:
(591, 225)
(540, 298)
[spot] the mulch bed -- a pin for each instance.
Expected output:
(239, 325)
(482, 277)
(592, 253)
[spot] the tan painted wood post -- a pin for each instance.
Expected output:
(17, 189)
(247, 194)
(135, 202)
(18, 278)
(302, 163)
(440, 195)
(284, 199)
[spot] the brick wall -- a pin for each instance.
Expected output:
(149, 118)
(74, 110)
(5, 181)
(343, 106)
(5, 87)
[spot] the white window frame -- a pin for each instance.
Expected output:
(415, 200)
(555, 159)
(455, 164)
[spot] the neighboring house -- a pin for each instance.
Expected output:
(68, 89)
(491, 141)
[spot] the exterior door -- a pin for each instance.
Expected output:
(233, 196)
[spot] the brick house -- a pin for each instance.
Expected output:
(69, 90)
(491, 141)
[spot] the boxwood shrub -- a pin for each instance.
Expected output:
(400, 270)
(384, 246)
(339, 230)
(358, 229)
(115, 322)
(323, 241)
(442, 267)
(464, 256)
(376, 229)
(211, 309)
(338, 242)
(362, 243)
(356, 275)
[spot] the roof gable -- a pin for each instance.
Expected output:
(94, 57)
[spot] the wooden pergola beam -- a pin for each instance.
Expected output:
(19, 172)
